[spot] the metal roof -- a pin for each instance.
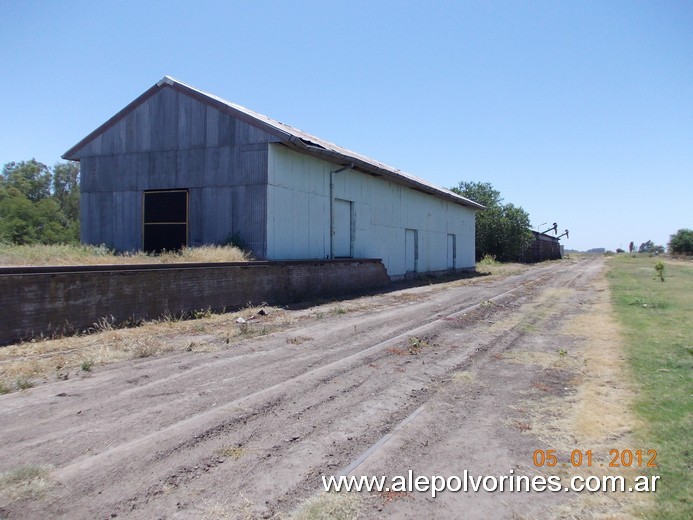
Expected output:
(290, 136)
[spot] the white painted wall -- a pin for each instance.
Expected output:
(298, 216)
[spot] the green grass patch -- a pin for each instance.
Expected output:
(656, 316)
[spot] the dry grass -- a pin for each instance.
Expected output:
(606, 381)
(298, 340)
(500, 269)
(69, 357)
(28, 481)
(598, 416)
(464, 378)
(533, 314)
(408, 297)
(223, 511)
(232, 452)
(331, 506)
(543, 359)
(43, 255)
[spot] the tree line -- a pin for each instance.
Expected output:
(502, 229)
(38, 204)
(680, 243)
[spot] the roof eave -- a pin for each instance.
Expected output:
(366, 167)
(301, 141)
(71, 154)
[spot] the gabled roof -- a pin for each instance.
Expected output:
(290, 136)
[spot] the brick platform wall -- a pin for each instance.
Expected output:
(43, 301)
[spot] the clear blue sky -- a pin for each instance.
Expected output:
(581, 112)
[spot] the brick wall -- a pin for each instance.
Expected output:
(36, 301)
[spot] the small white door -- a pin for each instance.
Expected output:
(411, 250)
(343, 225)
(452, 253)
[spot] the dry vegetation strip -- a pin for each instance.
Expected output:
(42, 255)
(24, 364)
(597, 414)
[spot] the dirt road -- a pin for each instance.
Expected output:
(436, 379)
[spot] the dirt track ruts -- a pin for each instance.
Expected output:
(249, 429)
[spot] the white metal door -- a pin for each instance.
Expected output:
(342, 229)
(451, 251)
(410, 249)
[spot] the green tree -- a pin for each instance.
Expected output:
(650, 247)
(502, 230)
(31, 178)
(66, 188)
(37, 205)
(646, 247)
(681, 242)
(17, 217)
(481, 192)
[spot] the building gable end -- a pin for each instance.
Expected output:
(167, 117)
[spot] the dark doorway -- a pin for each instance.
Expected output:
(165, 220)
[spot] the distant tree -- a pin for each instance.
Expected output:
(650, 247)
(502, 230)
(646, 247)
(37, 205)
(681, 242)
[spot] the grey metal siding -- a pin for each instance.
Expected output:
(191, 123)
(172, 141)
(163, 110)
(127, 220)
(138, 137)
(190, 168)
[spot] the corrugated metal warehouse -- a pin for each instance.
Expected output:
(179, 166)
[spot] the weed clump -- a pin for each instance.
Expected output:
(488, 260)
(143, 349)
(232, 452)
(28, 481)
(23, 383)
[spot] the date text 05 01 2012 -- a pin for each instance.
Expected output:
(579, 458)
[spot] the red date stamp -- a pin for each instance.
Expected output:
(579, 458)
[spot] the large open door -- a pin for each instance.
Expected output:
(165, 220)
